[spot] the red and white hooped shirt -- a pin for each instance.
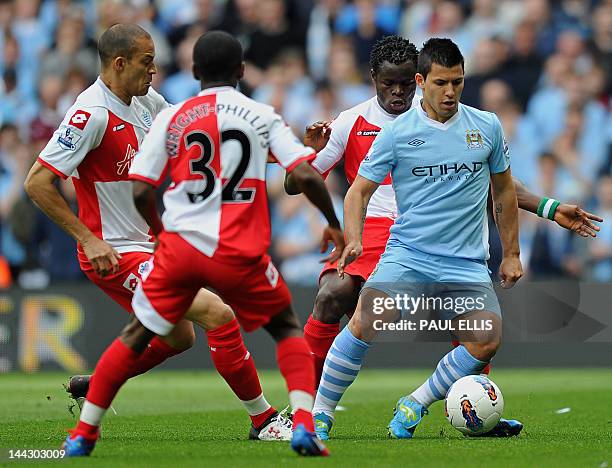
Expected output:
(353, 133)
(95, 144)
(215, 148)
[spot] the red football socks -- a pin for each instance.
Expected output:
(320, 337)
(295, 363)
(114, 367)
(303, 417)
(156, 353)
(235, 364)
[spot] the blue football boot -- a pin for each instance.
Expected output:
(77, 447)
(406, 417)
(323, 424)
(505, 428)
(307, 443)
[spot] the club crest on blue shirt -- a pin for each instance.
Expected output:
(146, 117)
(473, 139)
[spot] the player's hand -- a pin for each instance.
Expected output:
(510, 271)
(351, 251)
(335, 235)
(317, 135)
(103, 258)
(575, 219)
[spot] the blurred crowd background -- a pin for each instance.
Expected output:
(544, 66)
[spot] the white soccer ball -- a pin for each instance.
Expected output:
(474, 405)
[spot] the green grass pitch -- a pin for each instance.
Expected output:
(191, 419)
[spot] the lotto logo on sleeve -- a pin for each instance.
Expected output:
(79, 119)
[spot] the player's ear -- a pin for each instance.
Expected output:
(241, 71)
(373, 75)
(420, 80)
(119, 63)
(195, 72)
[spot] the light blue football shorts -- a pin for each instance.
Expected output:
(452, 286)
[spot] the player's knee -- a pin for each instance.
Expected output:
(486, 350)
(328, 307)
(136, 336)
(187, 338)
(284, 325)
(182, 337)
(209, 311)
(355, 325)
(334, 300)
(217, 314)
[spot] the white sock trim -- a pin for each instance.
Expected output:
(256, 405)
(92, 414)
(324, 405)
(299, 399)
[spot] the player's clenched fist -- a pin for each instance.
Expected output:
(510, 271)
(352, 250)
(103, 258)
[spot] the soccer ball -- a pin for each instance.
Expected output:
(474, 405)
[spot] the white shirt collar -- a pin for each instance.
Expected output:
(216, 89)
(382, 109)
(106, 90)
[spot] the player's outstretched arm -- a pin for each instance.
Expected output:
(571, 217)
(311, 184)
(146, 204)
(40, 187)
(505, 208)
(355, 206)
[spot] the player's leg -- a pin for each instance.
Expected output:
(475, 351)
(260, 298)
(160, 302)
(120, 287)
(295, 363)
(338, 296)
(485, 351)
(477, 347)
(115, 367)
(487, 368)
(235, 364)
(345, 357)
(335, 298)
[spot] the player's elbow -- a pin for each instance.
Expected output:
(291, 187)
(32, 184)
(142, 197)
(360, 191)
(305, 178)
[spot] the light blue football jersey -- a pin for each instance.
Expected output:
(440, 175)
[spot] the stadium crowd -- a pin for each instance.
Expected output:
(544, 66)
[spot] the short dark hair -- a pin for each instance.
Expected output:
(217, 56)
(393, 49)
(119, 41)
(444, 52)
